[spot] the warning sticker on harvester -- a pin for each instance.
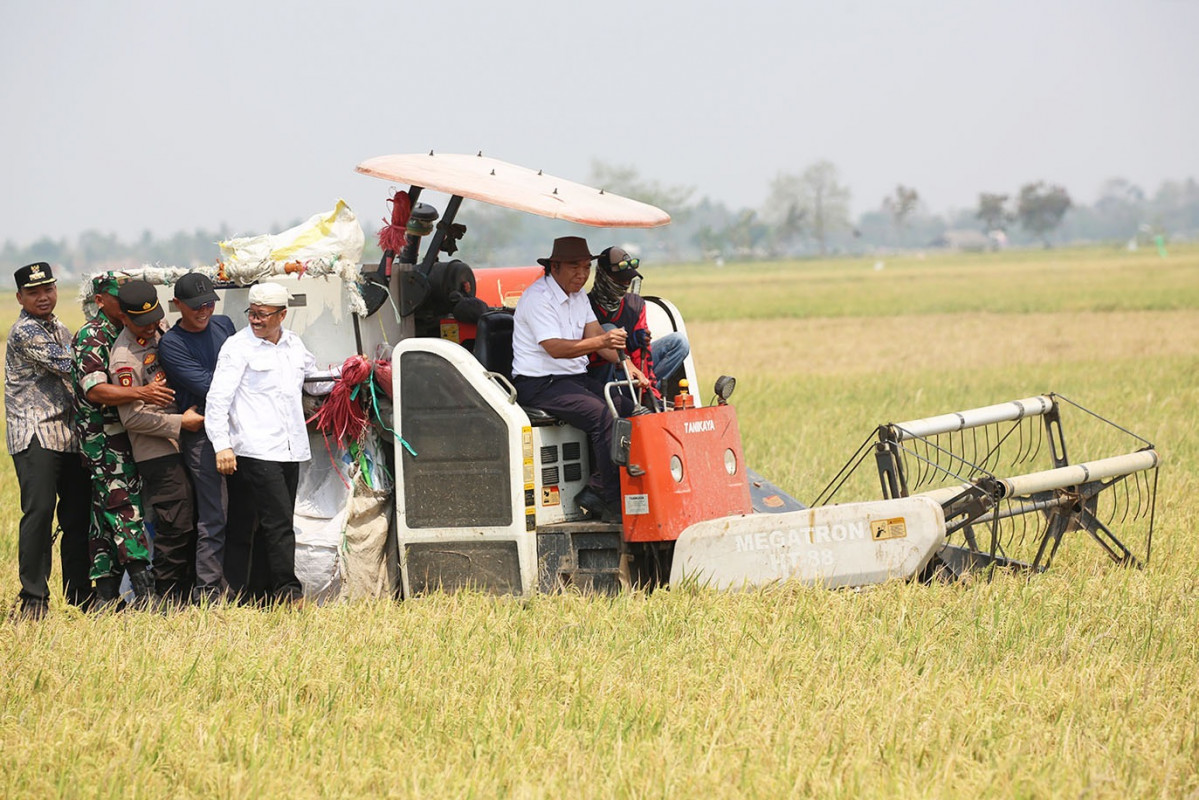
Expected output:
(550, 496)
(636, 504)
(883, 529)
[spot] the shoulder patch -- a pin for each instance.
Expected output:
(124, 376)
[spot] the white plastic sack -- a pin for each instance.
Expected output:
(324, 239)
(319, 571)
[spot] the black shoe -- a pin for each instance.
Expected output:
(208, 596)
(141, 579)
(594, 506)
(108, 594)
(590, 503)
(32, 610)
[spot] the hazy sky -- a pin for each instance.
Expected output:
(129, 115)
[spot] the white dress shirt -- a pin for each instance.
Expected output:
(547, 312)
(254, 404)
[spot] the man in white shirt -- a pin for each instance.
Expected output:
(255, 420)
(554, 331)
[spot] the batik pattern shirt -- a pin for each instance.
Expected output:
(38, 394)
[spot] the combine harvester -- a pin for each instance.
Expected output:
(483, 488)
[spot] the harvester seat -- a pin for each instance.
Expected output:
(493, 349)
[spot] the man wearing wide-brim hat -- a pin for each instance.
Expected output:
(554, 332)
(38, 400)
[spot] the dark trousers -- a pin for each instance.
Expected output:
(572, 399)
(246, 572)
(212, 502)
(166, 490)
(274, 485)
(49, 478)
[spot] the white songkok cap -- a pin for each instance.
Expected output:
(268, 294)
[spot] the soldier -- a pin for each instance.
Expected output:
(154, 435)
(43, 444)
(117, 536)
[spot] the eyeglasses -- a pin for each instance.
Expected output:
(205, 306)
(628, 263)
(257, 316)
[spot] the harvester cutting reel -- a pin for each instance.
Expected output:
(959, 460)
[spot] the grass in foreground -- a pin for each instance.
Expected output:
(1077, 682)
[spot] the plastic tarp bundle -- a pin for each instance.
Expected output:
(344, 546)
(325, 244)
(333, 236)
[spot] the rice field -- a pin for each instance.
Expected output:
(1078, 682)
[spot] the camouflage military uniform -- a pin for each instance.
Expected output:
(118, 531)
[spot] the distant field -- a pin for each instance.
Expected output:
(1079, 682)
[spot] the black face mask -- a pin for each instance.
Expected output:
(607, 291)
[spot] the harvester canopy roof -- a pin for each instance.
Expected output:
(510, 186)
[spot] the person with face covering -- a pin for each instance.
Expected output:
(614, 307)
(554, 331)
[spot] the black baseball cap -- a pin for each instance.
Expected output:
(139, 302)
(37, 274)
(195, 289)
(618, 263)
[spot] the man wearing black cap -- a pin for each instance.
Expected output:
(154, 434)
(616, 307)
(38, 403)
(117, 536)
(188, 353)
(553, 333)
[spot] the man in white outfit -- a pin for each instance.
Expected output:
(255, 420)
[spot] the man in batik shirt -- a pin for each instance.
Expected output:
(44, 447)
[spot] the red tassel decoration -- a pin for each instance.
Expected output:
(391, 236)
(342, 415)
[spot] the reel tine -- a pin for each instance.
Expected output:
(920, 465)
(1139, 498)
(1019, 443)
(926, 470)
(1127, 501)
(939, 451)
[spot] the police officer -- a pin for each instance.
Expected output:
(117, 535)
(38, 400)
(154, 436)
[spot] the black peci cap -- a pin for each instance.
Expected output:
(30, 275)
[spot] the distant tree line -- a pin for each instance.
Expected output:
(806, 213)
